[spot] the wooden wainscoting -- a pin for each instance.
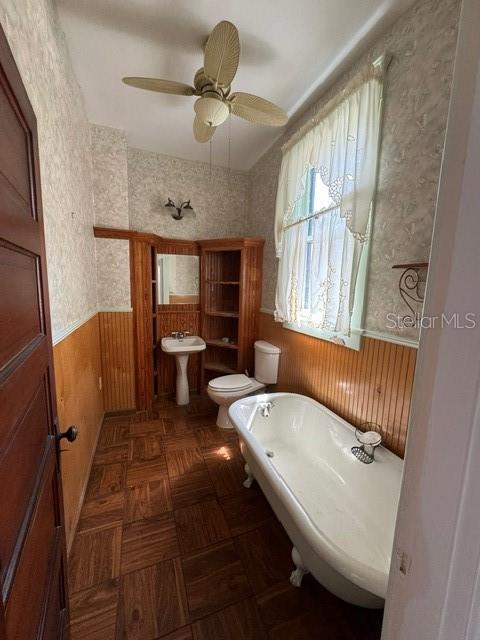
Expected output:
(177, 317)
(118, 367)
(370, 385)
(79, 402)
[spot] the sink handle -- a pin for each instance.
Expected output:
(174, 334)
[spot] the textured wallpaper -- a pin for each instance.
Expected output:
(113, 274)
(110, 177)
(40, 52)
(423, 44)
(220, 200)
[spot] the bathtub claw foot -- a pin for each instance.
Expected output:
(250, 478)
(296, 577)
(301, 570)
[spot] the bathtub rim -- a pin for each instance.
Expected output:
(359, 573)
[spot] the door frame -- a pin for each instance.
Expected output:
(434, 588)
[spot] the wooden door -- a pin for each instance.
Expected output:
(33, 605)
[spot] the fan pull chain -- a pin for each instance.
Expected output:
(229, 145)
(211, 158)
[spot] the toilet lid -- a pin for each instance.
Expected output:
(233, 382)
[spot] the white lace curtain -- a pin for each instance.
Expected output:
(324, 200)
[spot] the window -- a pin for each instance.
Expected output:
(323, 212)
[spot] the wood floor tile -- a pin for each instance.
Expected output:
(190, 488)
(93, 612)
(245, 511)
(113, 453)
(100, 511)
(147, 542)
(185, 633)
(179, 442)
(209, 436)
(175, 427)
(112, 434)
(200, 525)
(214, 578)
(222, 452)
(152, 603)
(95, 557)
(147, 500)
(143, 428)
(283, 602)
(105, 479)
(239, 621)
(184, 461)
(147, 471)
(266, 555)
(227, 476)
(146, 448)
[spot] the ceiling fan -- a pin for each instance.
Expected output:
(212, 86)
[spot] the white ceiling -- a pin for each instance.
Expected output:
(290, 49)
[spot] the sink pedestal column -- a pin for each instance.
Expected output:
(183, 396)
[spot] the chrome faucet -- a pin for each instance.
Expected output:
(265, 408)
(180, 335)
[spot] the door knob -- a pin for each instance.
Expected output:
(70, 434)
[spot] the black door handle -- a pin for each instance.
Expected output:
(70, 434)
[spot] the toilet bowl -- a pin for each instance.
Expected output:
(227, 389)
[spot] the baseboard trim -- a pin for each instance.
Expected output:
(76, 519)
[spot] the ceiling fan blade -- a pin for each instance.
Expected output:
(163, 86)
(222, 53)
(257, 110)
(202, 132)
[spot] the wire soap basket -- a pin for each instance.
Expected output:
(369, 435)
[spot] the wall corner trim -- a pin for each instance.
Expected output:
(115, 310)
(58, 336)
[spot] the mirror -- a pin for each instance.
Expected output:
(177, 279)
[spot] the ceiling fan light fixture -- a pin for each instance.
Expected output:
(212, 111)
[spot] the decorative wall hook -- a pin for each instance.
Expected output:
(178, 215)
(411, 283)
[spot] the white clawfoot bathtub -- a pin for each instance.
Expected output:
(338, 512)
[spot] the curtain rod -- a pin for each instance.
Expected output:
(375, 69)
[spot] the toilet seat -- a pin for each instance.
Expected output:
(231, 383)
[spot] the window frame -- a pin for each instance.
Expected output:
(354, 340)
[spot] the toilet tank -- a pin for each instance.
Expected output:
(266, 362)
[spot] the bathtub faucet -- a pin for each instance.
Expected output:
(265, 408)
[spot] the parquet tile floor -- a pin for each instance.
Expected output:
(171, 546)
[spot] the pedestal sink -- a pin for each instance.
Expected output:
(181, 348)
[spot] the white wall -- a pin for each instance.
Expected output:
(417, 93)
(38, 45)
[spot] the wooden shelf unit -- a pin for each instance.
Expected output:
(231, 287)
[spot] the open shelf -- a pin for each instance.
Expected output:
(214, 342)
(232, 282)
(222, 314)
(220, 367)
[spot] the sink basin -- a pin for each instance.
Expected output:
(190, 344)
(181, 348)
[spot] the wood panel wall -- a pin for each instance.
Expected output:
(118, 367)
(141, 288)
(177, 317)
(370, 385)
(79, 402)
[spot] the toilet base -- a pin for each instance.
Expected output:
(223, 421)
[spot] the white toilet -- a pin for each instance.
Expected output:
(226, 389)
